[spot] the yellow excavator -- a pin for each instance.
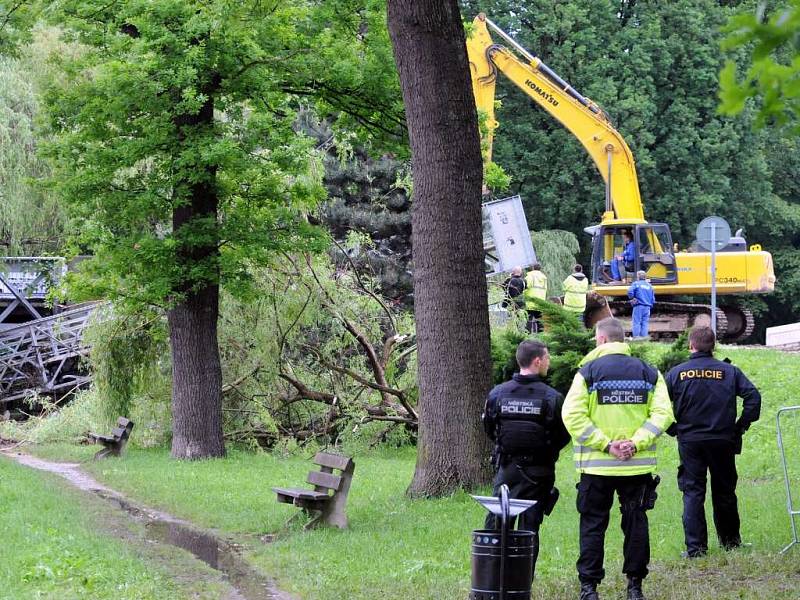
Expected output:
(739, 270)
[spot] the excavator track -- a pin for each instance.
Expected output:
(669, 319)
(741, 323)
(698, 314)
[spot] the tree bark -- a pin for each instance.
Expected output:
(196, 368)
(449, 284)
(196, 377)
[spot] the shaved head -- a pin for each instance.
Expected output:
(610, 330)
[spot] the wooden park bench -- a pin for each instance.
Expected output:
(329, 507)
(114, 443)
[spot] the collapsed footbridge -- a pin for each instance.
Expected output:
(41, 341)
(43, 356)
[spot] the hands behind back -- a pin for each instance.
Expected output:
(622, 449)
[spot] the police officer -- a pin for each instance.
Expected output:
(523, 418)
(615, 410)
(535, 287)
(514, 286)
(642, 298)
(703, 391)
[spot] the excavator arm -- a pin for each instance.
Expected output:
(582, 117)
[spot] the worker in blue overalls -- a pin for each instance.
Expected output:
(628, 257)
(642, 298)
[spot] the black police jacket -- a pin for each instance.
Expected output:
(523, 417)
(703, 391)
(513, 286)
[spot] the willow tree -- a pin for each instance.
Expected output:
(32, 220)
(178, 155)
(556, 250)
(450, 298)
(16, 18)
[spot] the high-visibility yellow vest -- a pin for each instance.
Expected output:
(536, 287)
(575, 293)
(615, 396)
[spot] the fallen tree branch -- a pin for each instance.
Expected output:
(384, 389)
(307, 393)
(391, 419)
(238, 382)
(367, 291)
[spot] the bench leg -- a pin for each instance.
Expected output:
(303, 515)
(314, 518)
(315, 522)
(334, 512)
(294, 517)
(335, 518)
(103, 454)
(120, 446)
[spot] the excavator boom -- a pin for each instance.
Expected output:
(582, 117)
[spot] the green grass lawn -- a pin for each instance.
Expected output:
(55, 543)
(399, 548)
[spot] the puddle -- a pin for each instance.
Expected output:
(162, 528)
(218, 555)
(212, 550)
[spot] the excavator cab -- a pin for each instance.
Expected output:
(652, 253)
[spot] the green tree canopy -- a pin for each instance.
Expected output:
(125, 159)
(16, 19)
(773, 75)
(556, 251)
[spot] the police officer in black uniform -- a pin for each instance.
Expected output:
(703, 391)
(523, 418)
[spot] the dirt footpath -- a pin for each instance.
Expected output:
(158, 534)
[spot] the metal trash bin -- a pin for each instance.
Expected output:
(486, 561)
(502, 560)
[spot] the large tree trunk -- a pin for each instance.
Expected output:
(449, 285)
(196, 377)
(196, 368)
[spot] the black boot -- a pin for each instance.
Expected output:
(635, 588)
(731, 543)
(589, 591)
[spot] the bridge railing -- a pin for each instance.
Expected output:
(42, 355)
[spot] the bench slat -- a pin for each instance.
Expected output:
(335, 461)
(117, 432)
(300, 493)
(123, 422)
(326, 480)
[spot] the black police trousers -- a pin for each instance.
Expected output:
(524, 483)
(718, 458)
(534, 324)
(595, 497)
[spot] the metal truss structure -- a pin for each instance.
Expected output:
(43, 356)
